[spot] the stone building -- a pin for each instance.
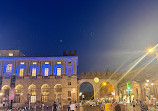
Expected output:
(140, 84)
(38, 79)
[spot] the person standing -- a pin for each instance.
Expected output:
(54, 107)
(134, 104)
(143, 106)
(102, 107)
(125, 104)
(72, 106)
(59, 107)
(42, 106)
(117, 107)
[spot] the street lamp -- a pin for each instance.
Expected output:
(104, 83)
(150, 50)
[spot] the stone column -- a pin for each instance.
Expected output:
(25, 95)
(2, 67)
(40, 64)
(74, 68)
(15, 65)
(52, 68)
(96, 91)
(27, 68)
(38, 94)
(65, 67)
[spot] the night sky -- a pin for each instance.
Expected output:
(105, 33)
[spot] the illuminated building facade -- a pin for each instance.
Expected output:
(38, 79)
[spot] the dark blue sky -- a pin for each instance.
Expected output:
(106, 33)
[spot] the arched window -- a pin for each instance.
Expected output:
(21, 72)
(9, 68)
(18, 94)
(45, 90)
(32, 93)
(33, 71)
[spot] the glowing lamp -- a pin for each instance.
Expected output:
(96, 79)
(104, 83)
(150, 50)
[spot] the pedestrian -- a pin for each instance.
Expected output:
(68, 108)
(59, 107)
(42, 106)
(152, 108)
(35, 107)
(143, 106)
(54, 107)
(125, 104)
(102, 107)
(117, 107)
(134, 104)
(72, 106)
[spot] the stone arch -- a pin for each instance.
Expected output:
(5, 90)
(86, 90)
(32, 93)
(58, 92)
(107, 90)
(45, 91)
(18, 93)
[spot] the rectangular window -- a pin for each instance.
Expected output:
(45, 98)
(69, 83)
(69, 93)
(10, 54)
(9, 68)
(58, 62)
(46, 62)
(17, 98)
(46, 71)
(33, 99)
(33, 71)
(34, 62)
(58, 71)
(21, 73)
(22, 63)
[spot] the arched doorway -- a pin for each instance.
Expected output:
(5, 93)
(18, 94)
(32, 93)
(86, 91)
(58, 92)
(45, 90)
(106, 91)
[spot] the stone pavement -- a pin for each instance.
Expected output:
(96, 108)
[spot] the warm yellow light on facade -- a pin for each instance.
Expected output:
(58, 62)
(34, 62)
(10, 54)
(96, 79)
(22, 63)
(146, 84)
(80, 94)
(1, 94)
(147, 80)
(46, 62)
